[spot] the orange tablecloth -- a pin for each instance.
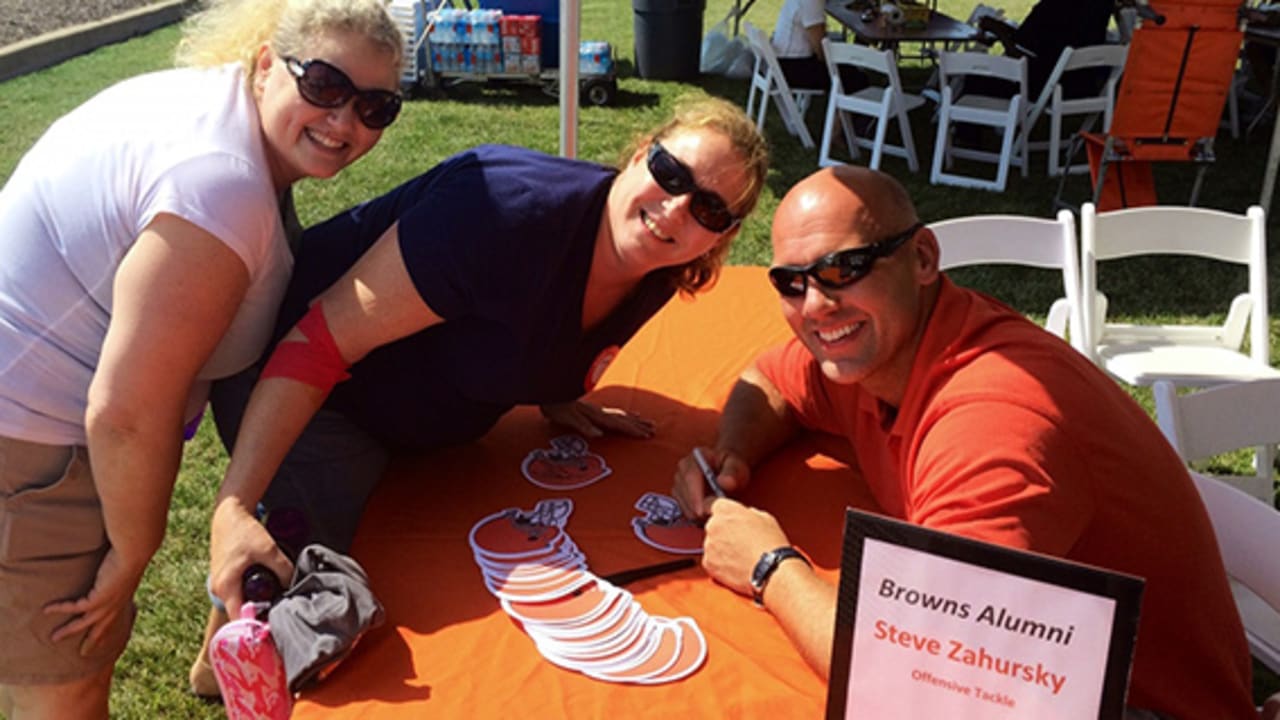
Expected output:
(449, 651)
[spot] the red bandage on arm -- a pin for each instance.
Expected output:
(316, 362)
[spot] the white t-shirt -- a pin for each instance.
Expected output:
(789, 39)
(186, 142)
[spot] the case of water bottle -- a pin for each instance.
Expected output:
(483, 43)
(465, 41)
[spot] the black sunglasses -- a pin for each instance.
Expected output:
(673, 176)
(324, 85)
(838, 270)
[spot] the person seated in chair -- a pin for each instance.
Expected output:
(1260, 57)
(797, 41)
(1050, 27)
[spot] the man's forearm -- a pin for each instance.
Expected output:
(756, 419)
(804, 605)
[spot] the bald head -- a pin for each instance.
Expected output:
(861, 314)
(846, 199)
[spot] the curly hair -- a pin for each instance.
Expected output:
(233, 30)
(730, 121)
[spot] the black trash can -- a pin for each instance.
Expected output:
(668, 38)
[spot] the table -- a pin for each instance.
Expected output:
(740, 8)
(449, 651)
(940, 28)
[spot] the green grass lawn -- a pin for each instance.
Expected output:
(151, 678)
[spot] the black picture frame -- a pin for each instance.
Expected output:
(1125, 590)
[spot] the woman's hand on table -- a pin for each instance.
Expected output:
(691, 489)
(238, 540)
(737, 536)
(594, 421)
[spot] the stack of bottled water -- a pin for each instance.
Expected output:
(486, 39)
(466, 41)
(477, 41)
(595, 57)
(522, 43)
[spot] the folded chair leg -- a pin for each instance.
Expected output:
(1058, 202)
(1074, 147)
(828, 136)
(1006, 159)
(908, 142)
(850, 135)
(877, 152)
(1195, 187)
(1108, 152)
(1097, 186)
(939, 145)
(787, 123)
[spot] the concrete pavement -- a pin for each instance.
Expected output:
(54, 47)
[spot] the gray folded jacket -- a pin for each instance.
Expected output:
(322, 615)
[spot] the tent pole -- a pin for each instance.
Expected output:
(570, 10)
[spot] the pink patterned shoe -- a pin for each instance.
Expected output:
(249, 670)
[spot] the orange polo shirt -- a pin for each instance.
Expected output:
(1008, 435)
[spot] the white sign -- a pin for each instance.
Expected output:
(933, 625)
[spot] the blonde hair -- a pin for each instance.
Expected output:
(730, 121)
(233, 30)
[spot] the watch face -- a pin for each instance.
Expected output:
(761, 570)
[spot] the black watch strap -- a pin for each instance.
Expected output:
(765, 567)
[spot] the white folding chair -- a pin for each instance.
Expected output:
(767, 81)
(1185, 354)
(1248, 533)
(1019, 240)
(1004, 114)
(1051, 100)
(1221, 419)
(980, 11)
(884, 103)
(1248, 529)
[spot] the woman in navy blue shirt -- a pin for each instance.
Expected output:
(500, 277)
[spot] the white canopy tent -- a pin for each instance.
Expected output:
(570, 13)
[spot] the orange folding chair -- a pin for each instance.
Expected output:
(1169, 103)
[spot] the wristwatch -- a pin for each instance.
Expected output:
(769, 562)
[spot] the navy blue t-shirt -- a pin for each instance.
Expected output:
(498, 241)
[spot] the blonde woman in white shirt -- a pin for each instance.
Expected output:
(145, 255)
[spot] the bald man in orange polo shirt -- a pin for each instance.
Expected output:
(964, 417)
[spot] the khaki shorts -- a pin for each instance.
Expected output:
(52, 540)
